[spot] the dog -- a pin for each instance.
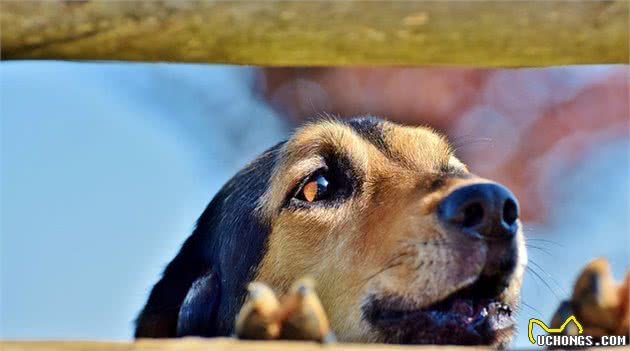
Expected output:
(405, 244)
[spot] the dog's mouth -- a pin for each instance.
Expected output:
(474, 315)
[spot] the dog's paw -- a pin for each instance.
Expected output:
(299, 316)
(259, 317)
(599, 303)
(303, 316)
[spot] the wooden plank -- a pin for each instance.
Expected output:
(216, 344)
(278, 33)
(222, 344)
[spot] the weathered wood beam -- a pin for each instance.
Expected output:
(217, 344)
(479, 33)
(224, 344)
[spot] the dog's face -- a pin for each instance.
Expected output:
(406, 246)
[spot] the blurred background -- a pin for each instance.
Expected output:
(106, 167)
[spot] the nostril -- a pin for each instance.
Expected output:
(473, 215)
(486, 210)
(510, 212)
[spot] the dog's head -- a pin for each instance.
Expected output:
(405, 244)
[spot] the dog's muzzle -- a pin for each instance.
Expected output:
(488, 211)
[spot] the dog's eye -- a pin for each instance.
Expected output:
(314, 189)
(326, 187)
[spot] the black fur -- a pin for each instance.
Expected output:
(371, 129)
(228, 242)
(198, 311)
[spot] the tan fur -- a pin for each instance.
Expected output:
(303, 316)
(391, 222)
(259, 316)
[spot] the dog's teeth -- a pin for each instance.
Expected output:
(504, 309)
(484, 312)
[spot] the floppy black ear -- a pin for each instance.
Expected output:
(229, 242)
(197, 313)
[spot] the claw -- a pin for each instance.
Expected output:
(258, 318)
(598, 301)
(303, 315)
(624, 306)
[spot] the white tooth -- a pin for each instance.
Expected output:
(484, 312)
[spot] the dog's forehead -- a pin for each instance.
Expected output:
(361, 139)
(413, 146)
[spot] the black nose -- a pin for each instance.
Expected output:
(488, 210)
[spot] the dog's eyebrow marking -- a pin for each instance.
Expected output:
(383, 136)
(371, 129)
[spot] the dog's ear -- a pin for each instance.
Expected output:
(229, 241)
(197, 313)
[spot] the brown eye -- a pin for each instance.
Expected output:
(315, 189)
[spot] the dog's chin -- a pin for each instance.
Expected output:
(473, 315)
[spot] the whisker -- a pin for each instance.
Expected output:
(445, 243)
(532, 271)
(530, 307)
(541, 249)
(457, 144)
(546, 241)
(397, 260)
(391, 263)
(553, 280)
(461, 139)
(386, 268)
